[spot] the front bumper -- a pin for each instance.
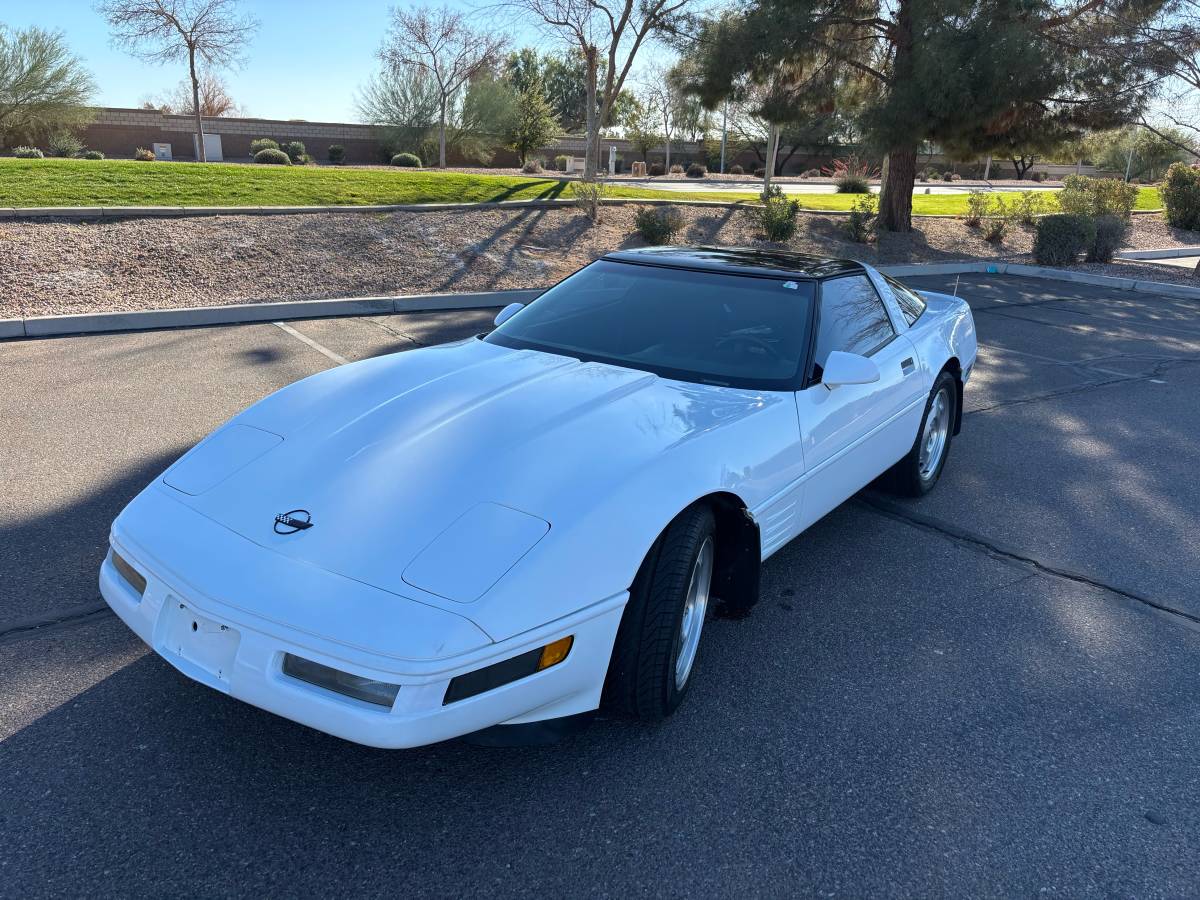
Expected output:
(242, 656)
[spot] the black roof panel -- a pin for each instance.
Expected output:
(746, 260)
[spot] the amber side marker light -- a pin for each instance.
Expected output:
(131, 575)
(508, 670)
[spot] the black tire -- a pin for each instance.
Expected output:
(641, 674)
(906, 477)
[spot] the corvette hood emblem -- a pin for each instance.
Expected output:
(291, 522)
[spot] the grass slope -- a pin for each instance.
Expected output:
(71, 182)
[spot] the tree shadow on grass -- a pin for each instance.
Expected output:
(551, 191)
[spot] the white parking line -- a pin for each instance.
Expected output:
(340, 360)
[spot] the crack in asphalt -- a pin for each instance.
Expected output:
(963, 537)
(75, 615)
(395, 332)
(1159, 369)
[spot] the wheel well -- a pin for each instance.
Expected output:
(954, 367)
(739, 555)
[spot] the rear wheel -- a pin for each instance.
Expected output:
(918, 472)
(658, 642)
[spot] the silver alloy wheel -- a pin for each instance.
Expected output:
(694, 607)
(935, 436)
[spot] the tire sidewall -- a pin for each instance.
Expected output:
(944, 381)
(675, 694)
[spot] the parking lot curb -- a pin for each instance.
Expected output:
(243, 313)
(145, 320)
(1159, 254)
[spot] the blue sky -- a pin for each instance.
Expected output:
(307, 61)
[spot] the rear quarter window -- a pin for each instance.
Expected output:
(912, 304)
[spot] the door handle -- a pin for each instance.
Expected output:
(907, 366)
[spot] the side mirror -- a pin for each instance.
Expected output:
(508, 312)
(848, 368)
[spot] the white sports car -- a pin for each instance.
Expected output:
(513, 528)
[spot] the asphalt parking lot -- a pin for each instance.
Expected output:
(992, 691)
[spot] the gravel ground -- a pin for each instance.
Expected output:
(52, 267)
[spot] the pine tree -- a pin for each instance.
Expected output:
(966, 74)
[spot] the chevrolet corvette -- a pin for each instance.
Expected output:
(521, 527)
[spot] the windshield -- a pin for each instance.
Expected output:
(733, 330)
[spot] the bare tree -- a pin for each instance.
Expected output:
(42, 86)
(609, 30)
(163, 31)
(667, 102)
(215, 101)
(442, 43)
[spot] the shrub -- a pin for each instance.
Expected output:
(1181, 196)
(532, 166)
(996, 227)
(92, 154)
(337, 153)
(1060, 238)
(760, 172)
(676, 169)
(947, 176)
(776, 217)
(696, 170)
(407, 160)
(658, 224)
(588, 197)
(28, 153)
(295, 151)
(655, 169)
(851, 183)
(1110, 234)
(64, 144)
(977, 208)
(1039, 177)
(860, 225)
(1028, 205)
(141, 154)
(1083, 196)
(269, 157)
(560, 162)
(262, 144)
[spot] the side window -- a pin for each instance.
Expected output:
(911, 303)
(853, 319)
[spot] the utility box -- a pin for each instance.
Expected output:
(212, 148)
(162, 152)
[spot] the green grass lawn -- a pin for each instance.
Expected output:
(70, 182)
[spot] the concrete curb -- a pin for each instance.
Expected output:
(1159, 254)
(95, 323)
(143, 320)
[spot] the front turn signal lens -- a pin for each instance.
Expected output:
(553, 654)
(507, 671)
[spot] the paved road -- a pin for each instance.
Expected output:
(797, 187)
(990, 692)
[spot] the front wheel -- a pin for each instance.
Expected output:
(659, 638)
(918, 472)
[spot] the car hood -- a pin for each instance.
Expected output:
(434, 471)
